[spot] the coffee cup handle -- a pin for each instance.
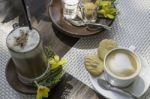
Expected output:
(132, 48)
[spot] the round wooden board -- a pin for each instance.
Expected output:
(14, 82)
(56, 15)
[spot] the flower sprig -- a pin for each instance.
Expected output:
(56, 62)
(107, 8)
(42, 91)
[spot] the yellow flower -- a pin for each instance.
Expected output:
(42, 91)
(108, 12)
(107, 9)
(56, 62)
(105, 3)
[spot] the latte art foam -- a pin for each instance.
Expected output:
(122, 64)
(33, 40)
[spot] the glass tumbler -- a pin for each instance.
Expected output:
(26, 49)
(70, 8)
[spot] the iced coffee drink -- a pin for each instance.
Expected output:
(27, 52)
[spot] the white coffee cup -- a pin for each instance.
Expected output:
(121, 66)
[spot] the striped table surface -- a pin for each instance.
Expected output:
(132, 27)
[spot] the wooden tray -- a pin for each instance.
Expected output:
(56, 15)
(14, 82)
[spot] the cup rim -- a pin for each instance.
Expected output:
(40, 39)
(78, 1)
(118, 77)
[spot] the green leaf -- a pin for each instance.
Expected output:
(110, 16)
(49, 52)
(113, 11)
(105, 4)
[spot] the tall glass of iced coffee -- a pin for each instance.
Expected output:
(27, 52)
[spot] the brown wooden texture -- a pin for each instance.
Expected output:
(56, 15)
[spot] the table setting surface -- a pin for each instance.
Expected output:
(131, 27)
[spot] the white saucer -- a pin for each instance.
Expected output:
(138, 88)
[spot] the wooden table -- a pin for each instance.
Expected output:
(69, 87)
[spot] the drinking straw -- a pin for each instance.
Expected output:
(27, 14)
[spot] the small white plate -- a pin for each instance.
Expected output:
(138, 88)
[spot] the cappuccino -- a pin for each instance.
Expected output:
(121, 63)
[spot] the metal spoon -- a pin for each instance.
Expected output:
(107, 86)
(80, 23)
(77, 23)
(97, 25)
